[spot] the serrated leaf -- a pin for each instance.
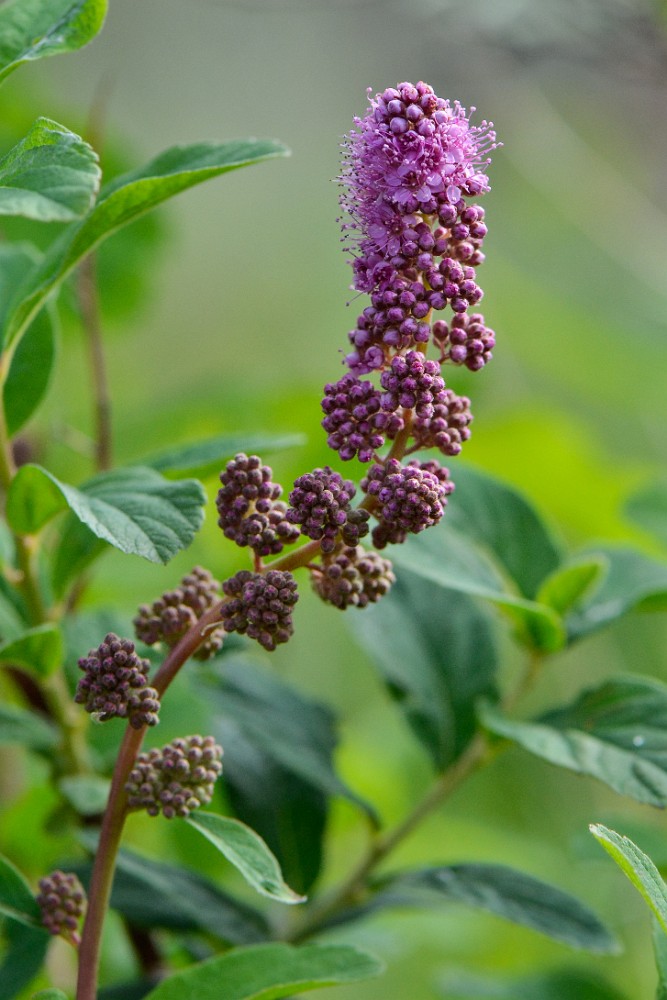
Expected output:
(122, 201)
(32, 29)
(268, 972)
(453, 561)
(501, 520)
(87, 793)
(638, 867)
(16, 899)
(25, 950)
(206, 458)
(631, 580)
(504, 892)
(616, 733)
(247, 852)
(153, 894)
(569, 584)
(51, 175)
(30, 370)
(17, 725)
(136, 510)
(39, 650)
(435, 650)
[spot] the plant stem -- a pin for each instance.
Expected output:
(88, 297)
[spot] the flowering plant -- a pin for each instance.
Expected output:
(414, 168)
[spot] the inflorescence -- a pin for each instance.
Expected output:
(169, 617)
(175, 779)
(62, 902)
(115, 684)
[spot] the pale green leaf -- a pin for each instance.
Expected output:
(49, 994)
(268, 972)
(247, 852)
(87, 793)
(638, 867)
(207, 458)
(32, 29)
(648, 509)
(571, 583)
(136, 510)
(39, 650)
(52, 175)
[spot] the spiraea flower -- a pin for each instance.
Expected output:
(260, 606)
(175, 779)
(62, 902)
(250, 512)
(115, 684)
(169, 617)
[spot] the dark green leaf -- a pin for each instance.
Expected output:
(152, 894)
(247, 852)
(268, 972)
(39, 650)
(27, 728)
(561, 985)
(16, 898)
(32, 29)
(616, 733)
(648, 509)
(76, 550)
(506, 893)
(452, 560)
(24, 956)
(435, 650)
(494, 515)
(17, 260)
(30, 370)
(51, 175)
(122, 201)
(569, 584)
(136, 990)
(136, 510)
(660, 952)
(638, 867)
(207, 458)
(632, 579)
(87, 793)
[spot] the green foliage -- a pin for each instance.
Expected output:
(40, 649)
(136, 510)
(206, 458)
(30, 369)
(16, 899)
(638, 867)
(52, 175)
(32, 29)
(17, 725)
(573, 985)
(248, 853)
(648, 509)
(269, 971)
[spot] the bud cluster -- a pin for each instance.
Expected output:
(115, 684)
(260, 606)
(352, 577)
(174, 613)
(250, 513)
(175, 779)
(320, 504)
(62, 902)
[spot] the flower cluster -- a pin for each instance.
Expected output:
(353, 577)
(62, 902)
(260, 606)
(175, 779)
(115, 684)
(320, 504)
(248, 507)
(169, 617)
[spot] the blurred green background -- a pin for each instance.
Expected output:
(243, 312)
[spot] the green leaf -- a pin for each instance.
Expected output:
(87, 793)
(452, 560)
(16, 899)
(153, 894)
(648, 509)
(504, 892)
(660, 952)
(268, 972)
(136, 510)
(76, 550)
(638, 867)
(206, 458)
(560, 985)
(49, 994)
(247, 852)
(494, 515)
(32, 29)
(17, 725)
(39, 650)
(30, 370)
(122, 201)
(436, 653)
(25, 950)
(632, 579)
(52, 175)
(569, 584)
(616, 733)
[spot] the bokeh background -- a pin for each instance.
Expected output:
(230, 308)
